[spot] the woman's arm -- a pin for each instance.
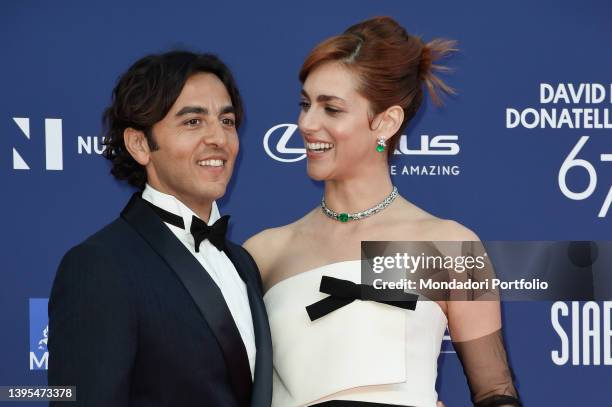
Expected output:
(475, 327)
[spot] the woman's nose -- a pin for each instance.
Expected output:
(308, 122)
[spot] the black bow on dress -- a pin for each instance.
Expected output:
(343, 292)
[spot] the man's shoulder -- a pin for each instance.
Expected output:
(110, 234)
(90, 264)
(111, 239)
(91, 246)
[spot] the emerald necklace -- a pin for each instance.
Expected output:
(345, 217)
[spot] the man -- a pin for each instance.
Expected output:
(158, 308)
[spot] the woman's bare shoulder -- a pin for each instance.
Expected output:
(269, 245)
(450, 230)
(418, 222)
(264, 245)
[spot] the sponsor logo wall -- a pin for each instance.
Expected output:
(521, 153)
(440, 145)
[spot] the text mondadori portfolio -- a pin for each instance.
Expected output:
(469, 284)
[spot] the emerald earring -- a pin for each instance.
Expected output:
(380, 144)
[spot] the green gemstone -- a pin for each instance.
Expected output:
(380, 148)
(343, 217)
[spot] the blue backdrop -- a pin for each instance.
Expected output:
(60, 61)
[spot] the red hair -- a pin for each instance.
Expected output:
(391, 66)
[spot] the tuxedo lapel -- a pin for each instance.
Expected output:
(262, 387)
(205, 293)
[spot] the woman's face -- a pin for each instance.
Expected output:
(334, 124)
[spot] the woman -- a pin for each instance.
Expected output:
(360, 90)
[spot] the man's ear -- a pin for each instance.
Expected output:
(390, 122)
(137, 145)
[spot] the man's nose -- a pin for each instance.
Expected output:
(215, 134)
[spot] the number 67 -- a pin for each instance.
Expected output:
(570, 162)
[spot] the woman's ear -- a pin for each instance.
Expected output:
(137, 145)
(390, 122)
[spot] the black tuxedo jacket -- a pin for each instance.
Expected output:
(134, 320)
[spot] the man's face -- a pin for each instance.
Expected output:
(198, 143)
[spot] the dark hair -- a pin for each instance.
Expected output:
(144, 95)
(391, 66)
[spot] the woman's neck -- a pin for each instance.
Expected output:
(359, 193)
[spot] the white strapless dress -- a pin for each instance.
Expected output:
(364, 351)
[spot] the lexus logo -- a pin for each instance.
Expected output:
(280, 151)
(442, 144)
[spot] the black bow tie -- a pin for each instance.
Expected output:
(199, 229)
(215, 233)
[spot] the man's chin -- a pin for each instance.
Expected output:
(213, 191)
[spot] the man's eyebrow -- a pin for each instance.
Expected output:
(228, 109)
(191, 109)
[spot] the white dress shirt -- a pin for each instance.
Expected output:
(215, 262)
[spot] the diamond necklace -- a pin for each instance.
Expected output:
(345, 217)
